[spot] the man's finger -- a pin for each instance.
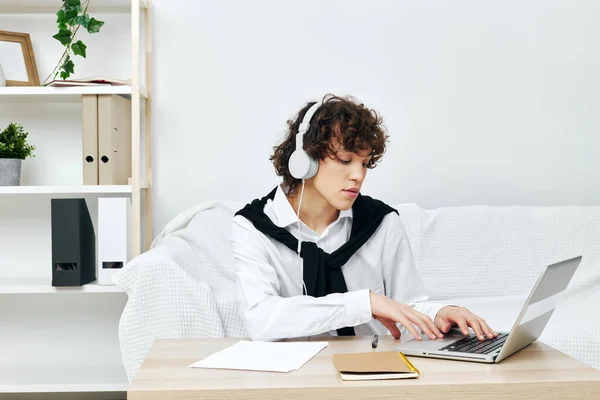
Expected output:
(417, 320)
(474, 323)
(391, 326)
(444, 325)
(462, 324)
(421, 321)
(434, 327)
(408, 325)
(488, 331)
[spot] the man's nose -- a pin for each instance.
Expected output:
(358, 173)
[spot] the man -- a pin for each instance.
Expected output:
(352, 271)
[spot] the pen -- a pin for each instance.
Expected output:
(374, 343)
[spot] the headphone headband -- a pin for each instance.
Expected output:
(305, 124)
(300, 164)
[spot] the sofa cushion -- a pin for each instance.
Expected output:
(481, 251)
(484, 258)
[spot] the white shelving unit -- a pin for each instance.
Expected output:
(72, 190)
(36, 93)
(65, 340)
(49, 6)
(40, 284)
(65, 94)
(76, 379)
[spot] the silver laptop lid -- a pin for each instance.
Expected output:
(540, 305)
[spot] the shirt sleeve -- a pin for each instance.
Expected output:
(269, 316)
(401, 278)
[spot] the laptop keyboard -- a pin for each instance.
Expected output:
(470, 344)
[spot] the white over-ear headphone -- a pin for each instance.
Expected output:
(301, 165)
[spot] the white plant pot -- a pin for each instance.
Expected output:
(10, 171)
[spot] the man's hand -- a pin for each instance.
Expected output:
(388, 312)
(449, 316)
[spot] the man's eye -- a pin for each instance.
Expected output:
(345, 162)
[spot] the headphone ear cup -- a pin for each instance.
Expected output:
(299, 164)
(313, 167)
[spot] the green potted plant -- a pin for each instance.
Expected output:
(13, 150)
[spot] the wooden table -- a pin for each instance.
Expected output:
(536, 372)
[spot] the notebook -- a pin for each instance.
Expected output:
(262, 356)
(374, 365)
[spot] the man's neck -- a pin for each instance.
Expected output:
(315, 211)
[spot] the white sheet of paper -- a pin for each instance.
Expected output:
(263, 356)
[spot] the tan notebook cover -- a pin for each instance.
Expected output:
(374, 365)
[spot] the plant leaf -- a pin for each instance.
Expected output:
(71, 15)
(63, 36)
(64, 75)
(72, 2)
(69, 66)
(94, 25)
(60, 16)
(83, 20)
(79, 48)
(13, 143)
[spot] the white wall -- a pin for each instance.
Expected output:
(486, 102)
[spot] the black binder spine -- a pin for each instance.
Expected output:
(73, 243)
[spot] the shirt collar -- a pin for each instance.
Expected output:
(285, 212)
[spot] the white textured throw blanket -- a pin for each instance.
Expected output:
(485, 258)
(183, 286)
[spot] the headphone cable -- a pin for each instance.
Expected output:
(299, 239)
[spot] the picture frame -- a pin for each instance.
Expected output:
(17, 59)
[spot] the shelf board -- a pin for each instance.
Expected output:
(57, 94)
(30, 285)
(52, 6)
(58, 378)
(75, 190)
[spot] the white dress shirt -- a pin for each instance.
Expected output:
(269, 277)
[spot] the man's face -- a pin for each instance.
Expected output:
(340, 176)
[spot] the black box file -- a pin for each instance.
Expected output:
(73, 243)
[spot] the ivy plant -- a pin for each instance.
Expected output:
(72, 16)
(13, 143)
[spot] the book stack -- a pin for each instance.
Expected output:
(94, 81)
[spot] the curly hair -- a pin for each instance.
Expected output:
(356, 128)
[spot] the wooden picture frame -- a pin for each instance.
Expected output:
(24, 40)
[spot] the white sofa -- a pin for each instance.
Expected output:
(485, 258)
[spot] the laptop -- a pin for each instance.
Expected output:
(528, 327)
